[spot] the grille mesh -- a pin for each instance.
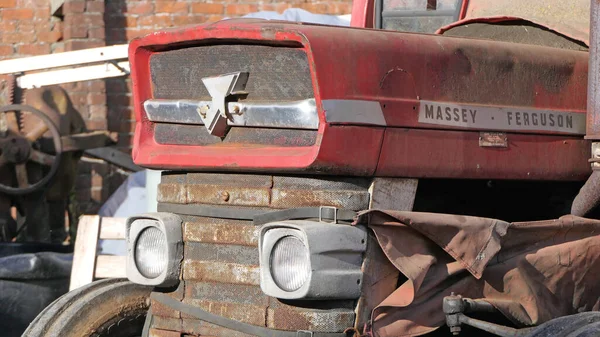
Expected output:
(276, 73)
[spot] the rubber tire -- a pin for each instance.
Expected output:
(585, 324)
(106, 308)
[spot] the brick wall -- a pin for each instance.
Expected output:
(27, 28)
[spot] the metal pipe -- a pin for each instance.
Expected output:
(589, 195)
(593, 101)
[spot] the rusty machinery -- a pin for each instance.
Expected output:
(42, 138)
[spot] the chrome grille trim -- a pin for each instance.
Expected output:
(300, 114)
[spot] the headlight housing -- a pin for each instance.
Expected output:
(311, 260)
(154, 249)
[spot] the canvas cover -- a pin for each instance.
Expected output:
(530, 271)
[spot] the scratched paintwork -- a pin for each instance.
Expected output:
(398, 70)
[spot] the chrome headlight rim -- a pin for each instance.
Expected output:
(170, 226)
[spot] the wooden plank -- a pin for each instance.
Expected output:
(87, 73)
(84, 257)
(70, 58)
(112, 228)
(110, 266)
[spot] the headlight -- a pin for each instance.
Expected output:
(290, 263)
(151, 252)
(311, 260)
(155, 249)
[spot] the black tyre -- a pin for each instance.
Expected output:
(106, 308)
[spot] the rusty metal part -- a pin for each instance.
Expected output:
(493, 139)
(88, 140)
(115, 157)
(220, 269)
(20, 153)
(589, 196)
(593, 100)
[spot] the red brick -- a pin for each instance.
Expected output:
(214, 18)
(26, 27)
(125, 140)
(96, 180)
(77, 19)
(34, 49)
(276, 7)
(318, 8)
(73, 7)
(98, 111)
(32, 3)
(78, 45)
(96, 124)
(94, 98)
(179, 7)
(8, 3)
(58, 47)
(139, 7)
(97, 33)
(94, 19)
(207, 8)
(51, 37)
(75, 32)
(97, 86)
(41, 14)
(8, 26)
(182, 20)
(94, 6)
(17, 14)
(131, 33)
(158, 21)
(240, 9)
(96, 193)
(17, 38)
(6, 50)
(341, 8)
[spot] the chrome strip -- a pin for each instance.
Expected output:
(289, 115)
(353, 112)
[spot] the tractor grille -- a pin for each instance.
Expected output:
(221, 267)
(276, 73)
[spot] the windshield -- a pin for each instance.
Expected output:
(422, 16)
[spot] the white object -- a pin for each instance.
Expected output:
(66, 59)
(53, 77)
(300, 15)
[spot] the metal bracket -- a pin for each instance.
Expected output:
(304, 333)
(331, 208)
(220, 88)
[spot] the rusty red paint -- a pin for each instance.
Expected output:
(458, 154)
(434, 68)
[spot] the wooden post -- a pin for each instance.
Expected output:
(84, 257)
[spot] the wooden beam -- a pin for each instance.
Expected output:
(112, 228)
(84, 257)
(110, 266)
(66, 59)
(52, 77)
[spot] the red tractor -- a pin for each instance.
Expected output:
(327, 181)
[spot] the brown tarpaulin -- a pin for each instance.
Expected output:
(530, 271)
